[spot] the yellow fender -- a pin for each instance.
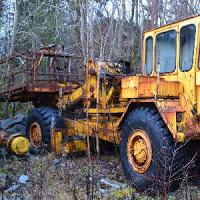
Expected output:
(167, 109)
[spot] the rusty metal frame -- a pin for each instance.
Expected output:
(21, 83)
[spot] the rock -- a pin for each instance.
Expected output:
(56, 161)
(4, 153)
(63, 165)
(103, 191)
(136, 195)
(105, 182)
(13, 188)
(23, 179)
(4, 124)
(19, 116)
(112, 188)
(3, 180)
(17, 128)
(10, 122)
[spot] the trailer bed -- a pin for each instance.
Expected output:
(31, 76)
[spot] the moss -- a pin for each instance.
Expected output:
(37, 167)
(171, 197)
(122, 193)
(4, 170)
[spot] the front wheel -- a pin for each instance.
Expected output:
(38, 127)
(150, 158)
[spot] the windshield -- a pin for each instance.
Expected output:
(166, 51)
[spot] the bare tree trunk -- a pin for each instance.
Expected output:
(15, 24)
(1, 8)
(121, 28)
(12, 48)
(90, 22)
(132, 11)
(82, 30)
(136, 12)
(184, 9)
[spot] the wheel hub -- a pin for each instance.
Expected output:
(35, 135)
(139, 151)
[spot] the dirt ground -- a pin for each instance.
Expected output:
(73, 177)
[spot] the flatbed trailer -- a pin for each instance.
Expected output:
(31, 75)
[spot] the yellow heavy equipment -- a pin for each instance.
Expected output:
(151, 116)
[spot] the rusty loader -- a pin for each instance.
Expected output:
(153, 117)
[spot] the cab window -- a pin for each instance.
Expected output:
(166, 52)
(148, 55)
(187, 42)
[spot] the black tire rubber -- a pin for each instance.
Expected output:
(43, 116)
(195, 154)
(168, 158)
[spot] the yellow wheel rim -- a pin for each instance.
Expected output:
(35, 135)
(139, 151)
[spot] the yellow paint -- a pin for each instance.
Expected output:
(106, 130)
(198, 97)
(181, 137)
(19, 145)
(75, 146)
(110, 93)
(70, 98)
(56, 142)
(140, 151)
(75, 95)
(110, 110)
(63, 85)
(88, 91)
(148, 87)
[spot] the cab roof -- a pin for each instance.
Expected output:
(189, 20)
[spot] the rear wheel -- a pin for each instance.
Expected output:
(150, 158)
(38, 127)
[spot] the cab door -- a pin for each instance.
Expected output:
(198, 71)
(187, 64)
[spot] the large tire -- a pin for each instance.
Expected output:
(40, 119)
(167, 159)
